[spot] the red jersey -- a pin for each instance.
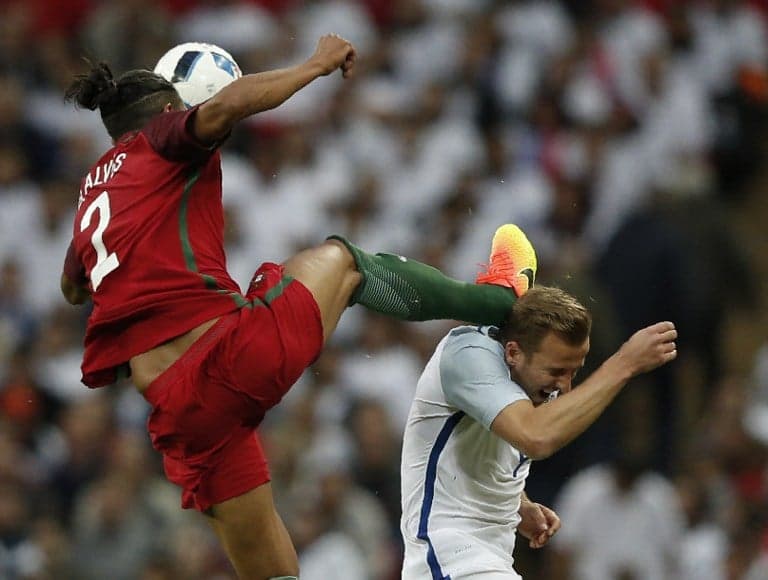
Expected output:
(148, 241)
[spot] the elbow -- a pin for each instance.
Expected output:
(522, 426)
(223, 112)
(81, 299)
(67, 291)
(74, 294)
(538, 446)
(70, 297)
(215, 119)
(74, 298)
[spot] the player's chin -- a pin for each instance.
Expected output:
(540, 397)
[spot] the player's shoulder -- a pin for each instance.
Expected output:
(168, 118)
(171, 135)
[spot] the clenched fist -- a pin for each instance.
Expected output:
(334, 52)
(649, 348)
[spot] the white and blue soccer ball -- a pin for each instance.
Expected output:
(198, 70)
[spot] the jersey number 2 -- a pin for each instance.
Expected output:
(105, 262)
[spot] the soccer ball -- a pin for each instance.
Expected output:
(198, 70)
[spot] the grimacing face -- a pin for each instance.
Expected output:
(551, 368)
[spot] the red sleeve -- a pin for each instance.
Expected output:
(73, 269)
(170, 134)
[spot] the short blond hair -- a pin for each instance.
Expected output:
(545, 309)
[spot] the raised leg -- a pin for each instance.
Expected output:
(329, 272)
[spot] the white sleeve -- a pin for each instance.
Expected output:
(475, 376)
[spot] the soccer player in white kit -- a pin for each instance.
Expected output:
(479, 417)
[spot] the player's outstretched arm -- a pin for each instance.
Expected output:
(255, 93)
(540, 431)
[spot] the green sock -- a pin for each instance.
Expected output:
(411, 290)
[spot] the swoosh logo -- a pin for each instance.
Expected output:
(530, 274)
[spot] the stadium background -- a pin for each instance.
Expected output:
(628, 138)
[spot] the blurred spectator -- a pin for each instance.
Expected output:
(322, 550)
(50, 556)
(25, 408)
(381, 367)
(622, 519)
(647, 276)
(112, 25)
(38, 150)
(14, 530)
(17, 321)
(58, 354)
(729, 34)
(74, 451)
(704, 544)
(175, 558)
(316, 492)
(740, 120)
(376, 457)
(356, 513)
(41, 253)
(112, 532)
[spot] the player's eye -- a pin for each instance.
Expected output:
(557, 373)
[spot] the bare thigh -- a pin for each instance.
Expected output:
(329, 272)
(254, 536)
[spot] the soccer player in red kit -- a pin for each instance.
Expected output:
(148, 250)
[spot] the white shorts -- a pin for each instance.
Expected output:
(458, 556)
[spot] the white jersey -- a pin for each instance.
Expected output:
(461, 484)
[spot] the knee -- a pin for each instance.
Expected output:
(326, 269)
(344, 263)
(339, 253)
(344, 259)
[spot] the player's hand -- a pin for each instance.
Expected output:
(334, 52)
(649, 348)
(538, 523)
(74, 293)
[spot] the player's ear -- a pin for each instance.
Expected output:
(512, 353)
(168, 108)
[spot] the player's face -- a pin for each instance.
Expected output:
(550, 369)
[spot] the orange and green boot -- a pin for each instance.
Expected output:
(512, 263)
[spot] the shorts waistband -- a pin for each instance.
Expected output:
(194, 353)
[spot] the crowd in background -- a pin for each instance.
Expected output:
(628, 138)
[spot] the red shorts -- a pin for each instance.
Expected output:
(207, 404)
